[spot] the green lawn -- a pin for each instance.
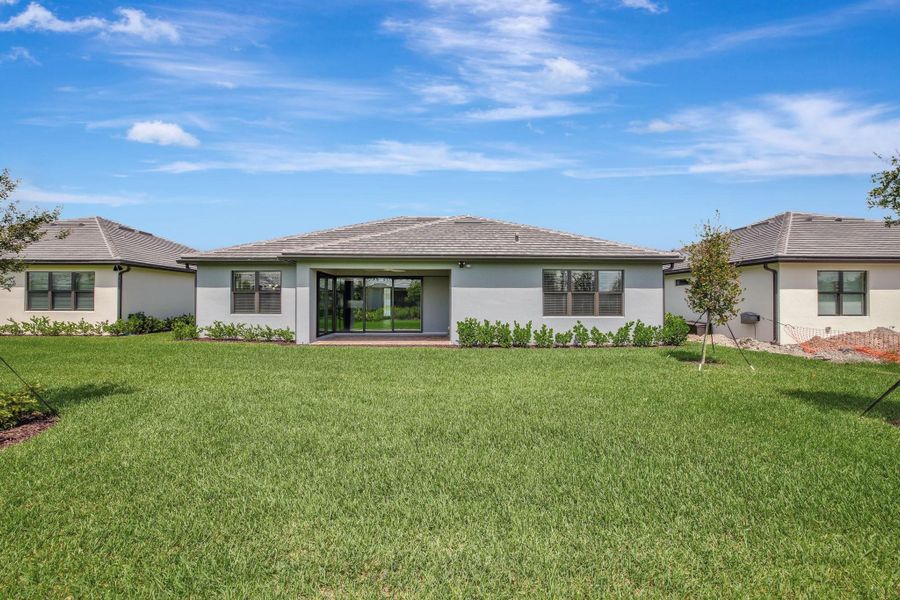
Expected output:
(241, 470)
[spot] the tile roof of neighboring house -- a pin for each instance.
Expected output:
(806, 236)
(101, 241)
(461, 237)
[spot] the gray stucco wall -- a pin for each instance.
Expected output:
(157, 292)
(436, 305)
(214, 295)
(514, 292)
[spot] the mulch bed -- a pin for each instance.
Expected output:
(26, 430)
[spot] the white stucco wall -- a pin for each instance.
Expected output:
(799, 297)
(214, 295)
(757, 285)
(106, 297)
(157, 292)
(514, 292)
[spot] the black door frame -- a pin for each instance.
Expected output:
(333, 329)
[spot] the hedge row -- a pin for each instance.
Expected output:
(135, 324)
(484, 334)
(233, 331)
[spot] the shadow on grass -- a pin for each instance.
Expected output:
(62, 397)
(850, 402)
(692, 356)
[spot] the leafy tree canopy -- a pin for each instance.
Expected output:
(18, 228)
(886, 193)
(715, 289)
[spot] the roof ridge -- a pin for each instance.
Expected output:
(569, 234)
(378, 233)
(300, 235)
(130, 228)
(113, 253)
(784, 233)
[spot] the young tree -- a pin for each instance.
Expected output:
(715, 289)
(18, 228)
(886, 193)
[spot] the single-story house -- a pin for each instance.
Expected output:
(99, 270)
(806, 274)
(422, 275)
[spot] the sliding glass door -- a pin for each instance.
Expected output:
(407, 304)
(368, 304)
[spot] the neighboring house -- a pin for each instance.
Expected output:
(411, 275)
(99, 271)
(810, 272)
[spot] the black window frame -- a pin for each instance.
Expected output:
(568, 290)
(840, 293)
(256, 292)
(52, 295)
(681, 282)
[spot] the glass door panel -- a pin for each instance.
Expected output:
(407, 304)
(350, 304)
(378, 304)
(325, 305)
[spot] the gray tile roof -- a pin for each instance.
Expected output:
(461, 237)
(101, 241)
(807, 236)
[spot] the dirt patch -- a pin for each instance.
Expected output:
(26, 430)
(837, 352)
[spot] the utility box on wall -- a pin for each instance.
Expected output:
(750, 318)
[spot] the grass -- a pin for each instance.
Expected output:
(246, 470)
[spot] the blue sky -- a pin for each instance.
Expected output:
(633, 120)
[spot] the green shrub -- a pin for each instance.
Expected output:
(543, 337)
(644, 335)
(580, 334)
(503, 335)
(284, 335)
(467, 332)
(171, 322)
(674, 331)
(15, 406)
(185, 331)
(563, 338)
(486, 334)
(599, 338)
(622, 336)
(521, 335)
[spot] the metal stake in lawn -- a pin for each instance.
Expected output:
(711, 341)
(30, 388)
(881, 397)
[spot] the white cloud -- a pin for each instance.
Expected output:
(164, 134)
(18, 53)
(8, 2)
(137, 23)
(777, 135)
(29, 193)
(132, 22)
(385, 157)
(528, 111)
(504, 54)
(647, 5)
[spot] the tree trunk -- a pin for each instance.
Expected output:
(703, 352)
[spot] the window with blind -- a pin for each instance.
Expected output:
(583, 293)
(256, 292)
(842, 293)
(60, 290)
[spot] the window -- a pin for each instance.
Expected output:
(60, 290)
(583, 293)
(256, 292)
(842, 293)
(682, 282)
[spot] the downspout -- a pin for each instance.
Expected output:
(121, 270)
(775, 327)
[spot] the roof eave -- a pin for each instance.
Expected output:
(661, 258)
(126, 263)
